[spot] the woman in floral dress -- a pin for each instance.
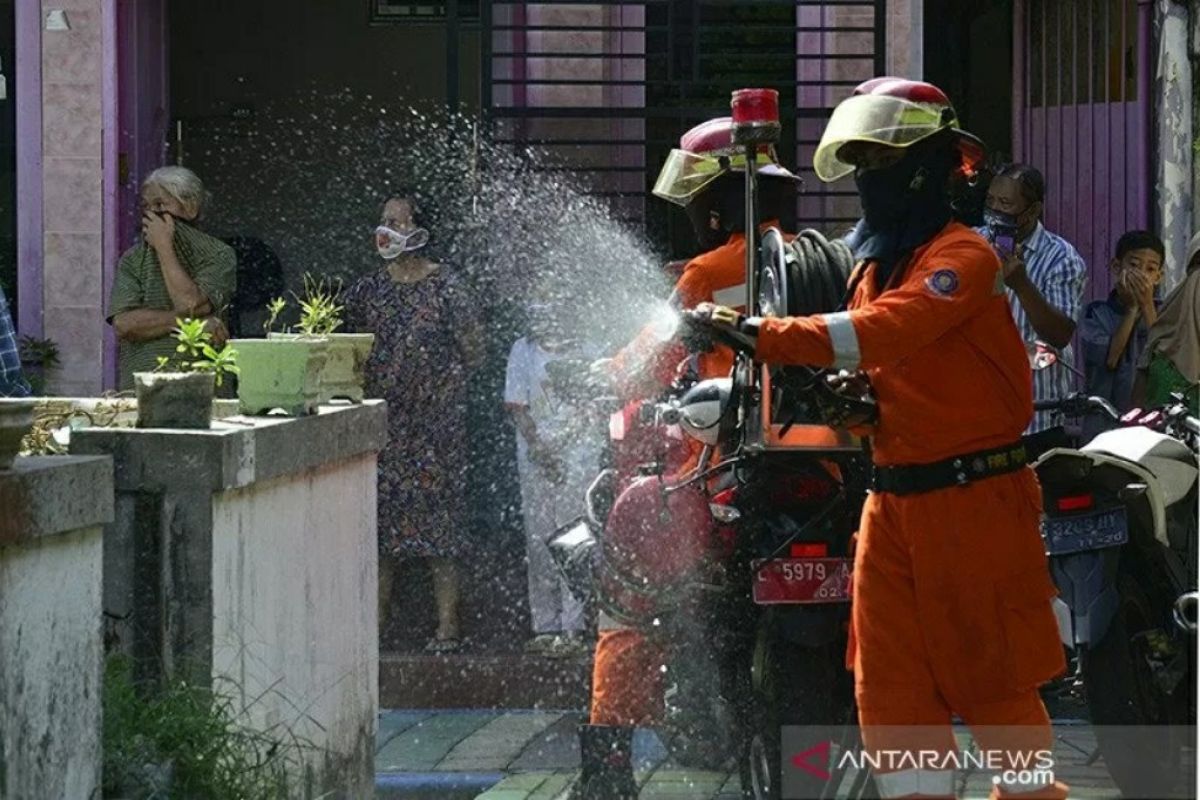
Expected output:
(426, 337)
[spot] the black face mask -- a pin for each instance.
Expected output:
(701, 214)
(904, 205)
(887, 194)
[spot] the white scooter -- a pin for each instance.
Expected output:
(1120, 528)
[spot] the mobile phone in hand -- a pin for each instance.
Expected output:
(1005, 245)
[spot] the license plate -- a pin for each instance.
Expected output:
(1093, 531)
(802, 580)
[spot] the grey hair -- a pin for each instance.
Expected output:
(182, 184)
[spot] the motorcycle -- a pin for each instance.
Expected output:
(1120, 530)
(740, 565)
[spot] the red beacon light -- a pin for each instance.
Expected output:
(755, 116)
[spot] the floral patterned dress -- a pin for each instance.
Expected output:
(417, 366)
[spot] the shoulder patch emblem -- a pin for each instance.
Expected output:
(943, 282)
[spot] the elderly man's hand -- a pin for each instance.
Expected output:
(158, 230)
(1014, 269)
(220, 334)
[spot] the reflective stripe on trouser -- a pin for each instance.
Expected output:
(844, 339)
(921, 782)
(626, 679)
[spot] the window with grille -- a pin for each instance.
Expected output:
(610, 87)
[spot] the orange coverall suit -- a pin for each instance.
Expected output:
(951, 592)
(626, 678)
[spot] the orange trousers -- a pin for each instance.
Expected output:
(951, 614)
(627, 686)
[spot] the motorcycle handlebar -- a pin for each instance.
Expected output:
(1078, 405)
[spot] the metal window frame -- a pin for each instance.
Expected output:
(519, 114)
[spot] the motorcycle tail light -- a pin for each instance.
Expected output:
(809, 550)
(1078, 502)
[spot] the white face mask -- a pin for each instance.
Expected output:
(391, 244)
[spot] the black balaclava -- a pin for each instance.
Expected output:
(727, 198)
(904, 205)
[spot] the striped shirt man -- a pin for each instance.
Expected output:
(12, 383)
(1056, 269)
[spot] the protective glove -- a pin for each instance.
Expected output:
(707, 325)
(847, 400)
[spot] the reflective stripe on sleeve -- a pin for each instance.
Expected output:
(846, 354)
(732, 296)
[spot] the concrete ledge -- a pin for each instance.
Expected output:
(50, 495)
(238, 450)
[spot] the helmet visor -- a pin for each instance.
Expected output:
(877, 119)
(686, 174)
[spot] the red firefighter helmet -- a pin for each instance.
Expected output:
(705, 153)
(896, 112)
(655, 542)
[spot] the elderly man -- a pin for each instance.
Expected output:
(1044, 274)
(176, 271)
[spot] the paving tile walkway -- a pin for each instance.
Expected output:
(533, 755)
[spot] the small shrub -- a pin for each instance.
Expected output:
(197, 354)
(182, 741)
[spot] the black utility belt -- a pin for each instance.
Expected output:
(954, 471)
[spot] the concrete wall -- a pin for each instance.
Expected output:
(50, 625)
(294, 610)
(245, 557)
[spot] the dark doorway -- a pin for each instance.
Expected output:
(969, 54)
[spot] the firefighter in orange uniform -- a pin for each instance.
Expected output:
(951, 601)
(704, 176)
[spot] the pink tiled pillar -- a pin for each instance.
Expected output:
(73, 67)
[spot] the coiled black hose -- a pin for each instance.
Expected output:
(818, 271)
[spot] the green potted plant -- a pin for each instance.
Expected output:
(179, 392)
(39, 358)
(320, 316)
(281, 372)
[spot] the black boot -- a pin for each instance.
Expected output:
(606, 764)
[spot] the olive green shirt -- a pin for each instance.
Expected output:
(139, 284)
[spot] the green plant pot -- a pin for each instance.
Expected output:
(345, 365)
(16, 420)
(174, 399)
(283, 374)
